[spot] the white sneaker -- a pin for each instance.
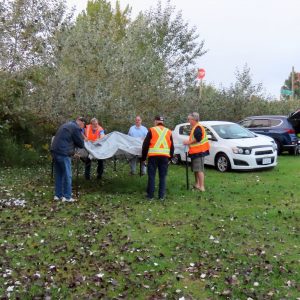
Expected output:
(68, 200)
(56, 198)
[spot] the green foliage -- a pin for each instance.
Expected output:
(241, 93)
(243, 98)
(15, 154)
(105, 64)
(117, 68)
(27, 31)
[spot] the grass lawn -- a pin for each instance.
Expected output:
(238, 240)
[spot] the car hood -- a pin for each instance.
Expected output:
(294, 119)
(256, 142)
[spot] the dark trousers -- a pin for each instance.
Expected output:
(88, 164)
(160, 163)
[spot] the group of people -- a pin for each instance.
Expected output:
(157, 150)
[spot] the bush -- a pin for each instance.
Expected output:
(14, 154)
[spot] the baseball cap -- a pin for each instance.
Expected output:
(82, 119)
(159, 118)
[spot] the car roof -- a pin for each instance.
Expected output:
(267, 116)
(210, 123)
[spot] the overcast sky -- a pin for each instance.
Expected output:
(262, 33)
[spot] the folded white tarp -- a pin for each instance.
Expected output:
(114, 144)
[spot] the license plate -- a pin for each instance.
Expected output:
(266, 161)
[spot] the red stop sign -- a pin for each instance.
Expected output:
(201, 73)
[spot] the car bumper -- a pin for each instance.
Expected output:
(248, 162)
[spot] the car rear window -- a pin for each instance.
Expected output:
(275, 122)
(246, 123)
(260, 123)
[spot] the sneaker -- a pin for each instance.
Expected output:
(56, 198)
(68, 199)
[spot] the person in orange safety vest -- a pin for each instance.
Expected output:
(198, 149)
(93, 132)
(158, 147)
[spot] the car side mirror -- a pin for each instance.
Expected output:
(211, 138)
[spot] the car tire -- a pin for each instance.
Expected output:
(279, 147)
(175, 160)
(222, 162)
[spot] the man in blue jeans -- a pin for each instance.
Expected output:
(158, 146)
(68, 136)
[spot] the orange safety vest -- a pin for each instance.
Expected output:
(160, 143)
(92, 135)
(201, 146)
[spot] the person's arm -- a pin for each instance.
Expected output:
(145, 132)
(83, 132)
(197, 135)
(78, 138)
(101, 134)
(146, 145)
(172, 147)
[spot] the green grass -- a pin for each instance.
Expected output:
(238, 240)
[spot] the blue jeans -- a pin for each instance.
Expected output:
(133, 161)
(160, 163)
(63, 176)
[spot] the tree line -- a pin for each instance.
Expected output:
(104, 63)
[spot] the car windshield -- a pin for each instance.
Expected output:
(232, 131)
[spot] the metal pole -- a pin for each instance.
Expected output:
(200, 89)
(77, 176)
(186, 167)
(293, 85)
(52, 168)
(115, 163)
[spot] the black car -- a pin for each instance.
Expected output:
(283, 129)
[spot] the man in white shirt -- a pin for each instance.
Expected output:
(137, 131)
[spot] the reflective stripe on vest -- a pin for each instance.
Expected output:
(92, 135)
(201, 146)
(160, 143)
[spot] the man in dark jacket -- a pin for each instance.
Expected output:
(68, 136)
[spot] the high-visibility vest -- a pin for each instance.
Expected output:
(91, 134)
(160, 143)
(201, 146)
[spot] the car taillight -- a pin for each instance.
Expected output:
(290, 131)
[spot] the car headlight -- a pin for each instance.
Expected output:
(240, 150)
(274, 145)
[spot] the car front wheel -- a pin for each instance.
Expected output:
(222, 163)
(279, 147)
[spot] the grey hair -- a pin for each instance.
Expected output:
(195, 116)
(94, 120)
